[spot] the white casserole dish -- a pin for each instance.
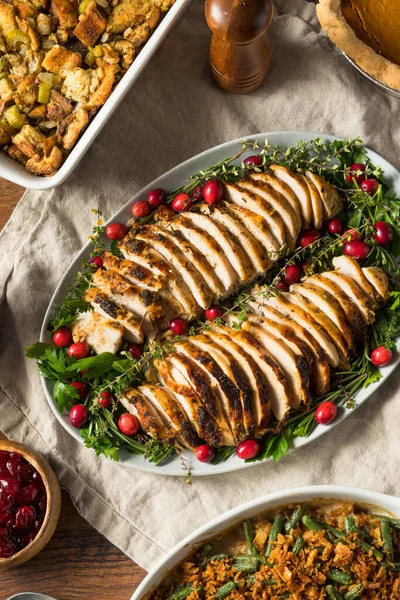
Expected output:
(389, 504)
(15, 172)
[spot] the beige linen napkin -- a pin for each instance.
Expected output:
(172, 113)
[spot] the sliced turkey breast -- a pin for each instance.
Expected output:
(171, 413)
(246, 199)
(103, 335)
(332, 203)
(134, 273)
(254, 250)
(278, 203)
(223, 385)
(202, 385)
(211, 249)
(106, 307)
(354, 293)
(378, 279)
(258, 227)
(350, 267)
(283, 189)
(149, 419)
(191, 403)
(299, 188)
(316, 202)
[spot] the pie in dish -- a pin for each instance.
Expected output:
(367, 31)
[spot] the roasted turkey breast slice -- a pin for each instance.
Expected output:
(171, 414)
(299, 188)
(350, 267)
(202, 385)
(320, 370)
(378, 279)
(243, 422)
(222, 381)
(254, 250)
(246, 199)
(354, 293)
(106, 307)
(134, 273)
(278, 203)
(316, 203)
(103, 335)
(328, 305)
(332, 203)
(211, 249)
(190, 401)
(258, 227)
(149, 419)
(283, 189)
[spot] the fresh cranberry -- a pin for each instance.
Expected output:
(213, 191)
(283, 286)
(352, 235)
(3, 505)
(253, 161)
(181, 202)
(197, 193)
(381, 356)
(128, 424)
(81, 388)
(9, 487)
(307, 268)
(325, 413)
(179, 326)
(6, 517)
(292, 274)
(5, 532)
(79, 350)
(214, 312)
(3, 458)
(141, 209)
(352, 174)
(78, 415)
(62, 337)
(105, 399)
(370, 186)
(7, 548)
(335, 226)
(97, 261)
(157, 197)
(136, 350)
(28, 494)
(248, 449)
(358, 250)
(383, 233)
(19, 468)
(116, 231)
(307, 237)
(24, 516)
(205, 453)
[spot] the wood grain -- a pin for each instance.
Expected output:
(10, 194)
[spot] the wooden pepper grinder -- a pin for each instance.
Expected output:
(239, 50)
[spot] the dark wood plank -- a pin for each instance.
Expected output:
(10, 194)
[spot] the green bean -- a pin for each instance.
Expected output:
(391, 566)
(257, 557)
(285, 595)
(273, 534)
(312, 523)
(269, 582)
(250, 579)
(226, 589)
(333, 593)
(351, 527)
(217, 557)
(298, 545)
(339, 576)
(354, 592)
(386, 535)
(294, 518)
(368, 548)
(394, 522)
(206, 550)
(249, 533)
(246, 564)
(181, 593)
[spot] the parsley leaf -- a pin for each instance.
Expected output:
(65, 395)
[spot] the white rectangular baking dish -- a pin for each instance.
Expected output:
(15, 172)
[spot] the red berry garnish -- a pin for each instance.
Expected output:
(352, 174)
(128, 424)
(253, 161)
(181, 202)
(9, 487)
(307, 237)
(306, 268)
(79, 350)
(383, 233)
(370, 186)
(136, 350)
(157, 197)
(205, 453)
(28, 493)
(352, 235)
(248, 449)
(141, 209)
(325, 413)
(7, 548)
(197, 193)
(381, 356)
(357, 249)
(24, 517)
(62, 337)
(283, 286)
(96, 261)
(179, 326)
(78, 415)
(214, 312)
(213, 191)
(116, 231)
(335, 226)
(105, 399)
(81, 388)
(292, 274)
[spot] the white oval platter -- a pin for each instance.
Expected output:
(169, 181)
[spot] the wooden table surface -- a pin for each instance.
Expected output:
(78, 563)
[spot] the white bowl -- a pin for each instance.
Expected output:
(388, 504)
